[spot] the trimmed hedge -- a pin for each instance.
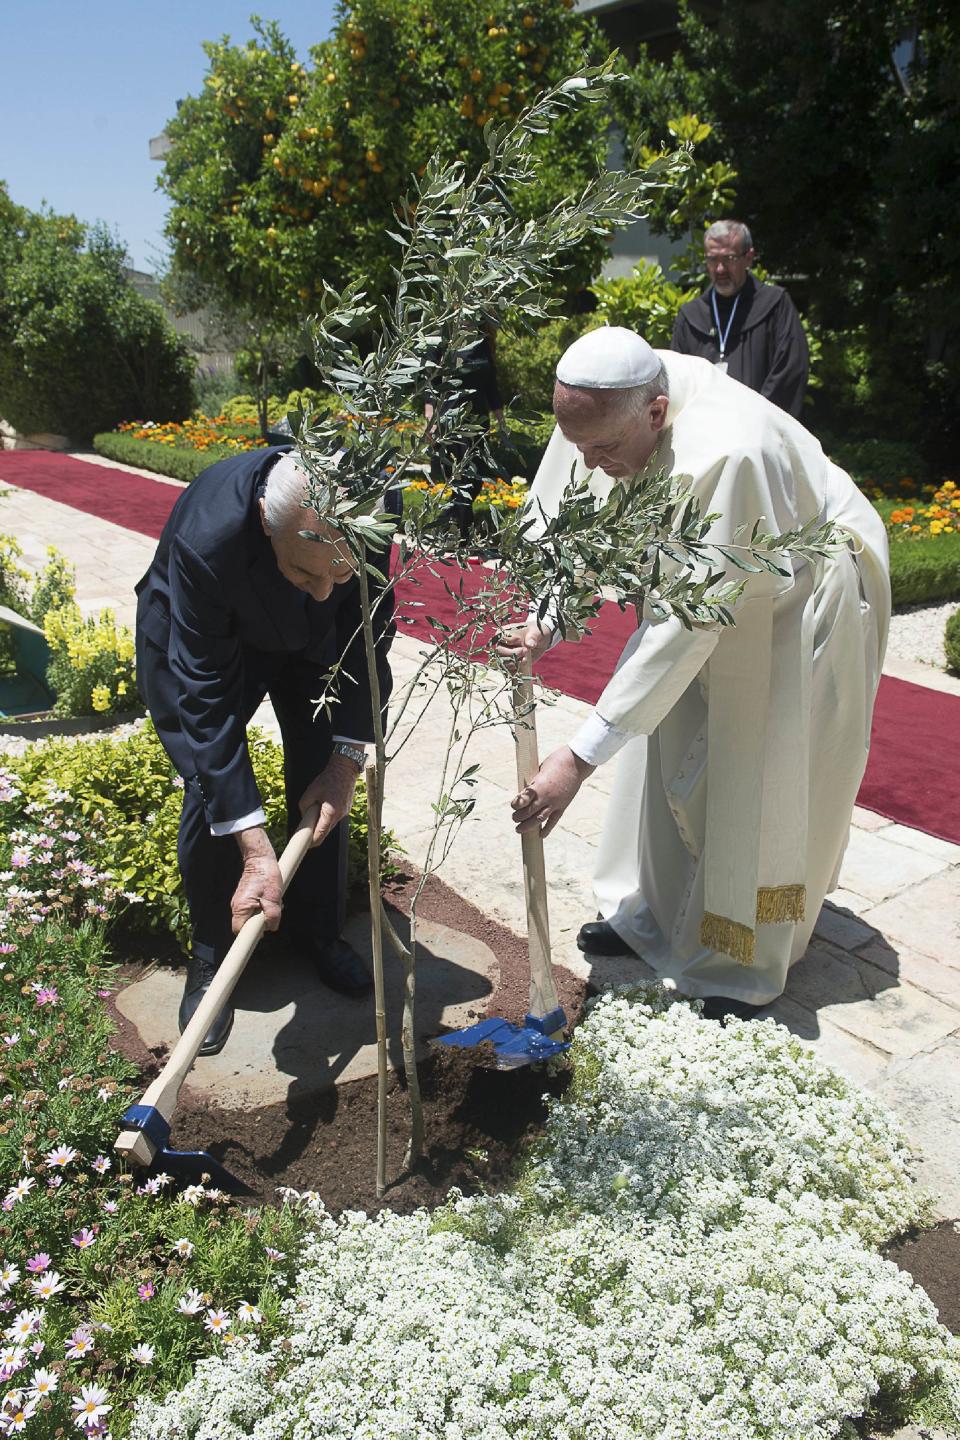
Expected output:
(951, 642)
(925, 570)
(177, 462)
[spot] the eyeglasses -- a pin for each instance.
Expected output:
(711, 260)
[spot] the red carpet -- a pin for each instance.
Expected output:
(128, 500)
(912, 776)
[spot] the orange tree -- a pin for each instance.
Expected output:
(284, 176)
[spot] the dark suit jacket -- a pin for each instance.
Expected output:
(214, 605)
(766, 349)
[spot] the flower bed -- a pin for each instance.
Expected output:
(496, 495)
(124, 790)
(181, 451)
(108, 1288)
(91, 659)
(690, 1250)
(687, 1254)
(924, 533)
(710, 1280)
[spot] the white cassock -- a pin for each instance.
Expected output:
(741, 748)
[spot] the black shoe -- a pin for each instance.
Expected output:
(200, 974)
(340, 967)
(715, 1007)
(598, 937)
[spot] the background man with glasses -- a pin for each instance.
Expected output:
(748, 329)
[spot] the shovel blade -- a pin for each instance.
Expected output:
(513, 1045)
(188, 1166)
(195, 1167)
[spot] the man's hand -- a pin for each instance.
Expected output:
(333, 792)
(516, 642)
(260, 888)
(544, 798)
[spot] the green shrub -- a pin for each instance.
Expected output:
(244, 407)
(213, 388)
(127, 792)
(54, 587)
(91, 662)
(645, 301)
(177, 462)
(13, 594)
(951, 642)
(526, 363)
(892, 466)
(925, 569)
(79, 349)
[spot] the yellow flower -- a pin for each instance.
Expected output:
(100, 698)
(122, 687)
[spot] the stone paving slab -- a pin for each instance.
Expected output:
(108, 559)
(867, 1001)
(878, 866)
(866, 998)
(293, 1036)
(926, 1087)
(926, 917)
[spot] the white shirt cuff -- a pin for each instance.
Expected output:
(348, 740)
(233, 827)
(547, 626)
(597, 740)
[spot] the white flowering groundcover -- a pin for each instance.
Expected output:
(689, 1255)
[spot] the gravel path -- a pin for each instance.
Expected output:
(916, 633)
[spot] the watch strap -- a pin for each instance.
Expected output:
(352, 752)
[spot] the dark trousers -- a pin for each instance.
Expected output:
(211, 866)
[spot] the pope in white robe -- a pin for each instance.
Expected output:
(740, 749)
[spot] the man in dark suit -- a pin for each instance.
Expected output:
(237, 606)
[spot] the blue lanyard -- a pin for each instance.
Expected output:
(722, 337)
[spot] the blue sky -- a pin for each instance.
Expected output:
(84, 84)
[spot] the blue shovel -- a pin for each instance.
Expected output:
(144, 1142)
(541, 1034)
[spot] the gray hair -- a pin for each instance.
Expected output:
(638, 397)
(286, 494)
(733, 229)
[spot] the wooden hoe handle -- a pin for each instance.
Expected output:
(161, 1095)
(543, 991)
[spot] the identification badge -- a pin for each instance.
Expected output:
(720, 365)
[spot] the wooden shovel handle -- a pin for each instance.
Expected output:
(162, 1093)
(543, 991)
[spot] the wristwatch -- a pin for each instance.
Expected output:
(352, 752)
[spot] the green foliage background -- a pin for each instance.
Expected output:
(846, 161)
(282, 176)
(80, 350)
(951, 642)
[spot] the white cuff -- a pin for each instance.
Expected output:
(348, 740)
(597, 740)
(233, 827)
(547, 626)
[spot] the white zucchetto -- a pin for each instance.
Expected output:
(611, 358)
